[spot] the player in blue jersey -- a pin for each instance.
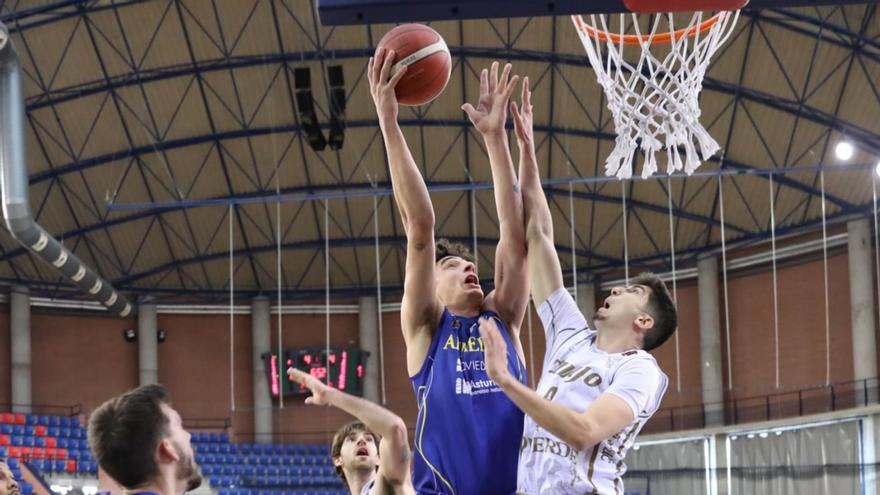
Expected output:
(468, 432)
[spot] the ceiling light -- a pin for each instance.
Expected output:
(844, 150)
(877, 169)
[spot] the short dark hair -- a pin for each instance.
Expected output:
(444, 248)
(661, 307)
(339, 439)
(125, 431)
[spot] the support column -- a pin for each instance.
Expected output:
(260, 344)
(148, 352)
(20, 347)
(861, 293)
(586, 292)
(710, 341)
(368, 326)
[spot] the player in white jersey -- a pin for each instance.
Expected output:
(598, 387)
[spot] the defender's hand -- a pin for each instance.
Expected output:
(495, 352)
(491, 112)
(522, 117)
(319, 390)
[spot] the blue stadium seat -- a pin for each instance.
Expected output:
(64, 431)
(54, 421)
(64, 422)
(5, 429)
(26, 488)
(59, 466)
(53, 431)
(40, 442)
(32, 419)
(224, 437)
(12, 462)
(18, 430)
(214, 437)
(27, 441)
(43, 420)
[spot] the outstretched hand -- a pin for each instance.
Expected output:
(382, 83)
(494, 352)
(319, 390)
(522, 118)
(491, 112)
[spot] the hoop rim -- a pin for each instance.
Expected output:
(656, 39)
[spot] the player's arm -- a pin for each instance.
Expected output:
(544, 270)
(394, 453)
(420, 307)
(511, 293)
(605, 417)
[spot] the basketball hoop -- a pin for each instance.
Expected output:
(654, 102)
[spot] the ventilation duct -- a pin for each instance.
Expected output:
(14, 185)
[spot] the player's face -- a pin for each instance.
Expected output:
(359, 451)
(8, 485)
(623, 306)
(457, 279)
(187, 469)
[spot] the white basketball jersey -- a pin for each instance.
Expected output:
(575, 373)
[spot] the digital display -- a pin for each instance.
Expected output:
(341, 368)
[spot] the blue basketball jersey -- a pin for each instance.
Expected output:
(468, 432)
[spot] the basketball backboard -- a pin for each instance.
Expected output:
(344, 12)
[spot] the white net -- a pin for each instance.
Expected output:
(654, 102)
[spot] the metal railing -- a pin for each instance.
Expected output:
(779, 405)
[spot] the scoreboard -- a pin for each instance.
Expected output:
(341, 368)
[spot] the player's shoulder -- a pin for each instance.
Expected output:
(638, 360)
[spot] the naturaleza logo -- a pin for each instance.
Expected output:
(475, 387)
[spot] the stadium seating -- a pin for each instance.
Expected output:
(265, 469)
(58, 444)
(52, 444)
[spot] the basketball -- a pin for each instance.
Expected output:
(426, 56)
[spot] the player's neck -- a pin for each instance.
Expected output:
(357, 479)
(615, 341)
(163, 485)
(466, 308)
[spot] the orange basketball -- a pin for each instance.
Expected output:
(426, 56)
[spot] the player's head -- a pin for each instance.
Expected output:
(8, 485)
(354, 448)
(644, 306)
(138, 439)
(456, 274)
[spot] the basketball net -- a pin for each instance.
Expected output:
(654, 102)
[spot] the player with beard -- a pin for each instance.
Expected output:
(366, 465)
(8, 485)
(138, 440)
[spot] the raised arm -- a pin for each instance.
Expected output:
(420, 308)
(394, 453)
(545, 273)
(605, 417)
(511, 293)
